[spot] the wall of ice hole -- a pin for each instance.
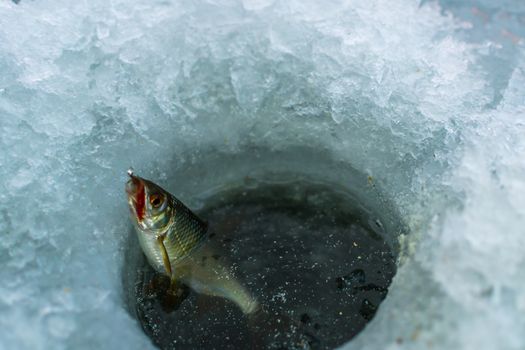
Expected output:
(427, 98)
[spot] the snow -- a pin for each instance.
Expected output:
(428, 99)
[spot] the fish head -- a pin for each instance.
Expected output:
(151, 207)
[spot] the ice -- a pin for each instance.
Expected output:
(427, 98)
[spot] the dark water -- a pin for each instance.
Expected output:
(319, 265)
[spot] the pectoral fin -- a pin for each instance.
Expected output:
(165, 257)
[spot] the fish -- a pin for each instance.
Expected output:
(176, 243)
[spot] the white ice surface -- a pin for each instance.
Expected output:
(428, 99)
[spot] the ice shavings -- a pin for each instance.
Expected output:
(430, 107)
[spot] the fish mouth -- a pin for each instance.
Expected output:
(135, 189)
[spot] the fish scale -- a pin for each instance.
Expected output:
(187, 233)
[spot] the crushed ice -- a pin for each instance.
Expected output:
(428, 100)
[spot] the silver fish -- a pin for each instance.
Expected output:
(176, 242)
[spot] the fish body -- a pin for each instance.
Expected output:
(176, 243)
(184, 234)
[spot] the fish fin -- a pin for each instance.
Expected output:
(175, 288)
(176, 294)
(165, 257)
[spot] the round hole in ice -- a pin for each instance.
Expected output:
(311, 237)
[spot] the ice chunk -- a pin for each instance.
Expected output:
(428, 100)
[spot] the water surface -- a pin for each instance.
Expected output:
(318, 265)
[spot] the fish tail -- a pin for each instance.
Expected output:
(240, 296)
(273, 329)
(206, 274)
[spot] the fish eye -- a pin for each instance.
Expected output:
(156, 200)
